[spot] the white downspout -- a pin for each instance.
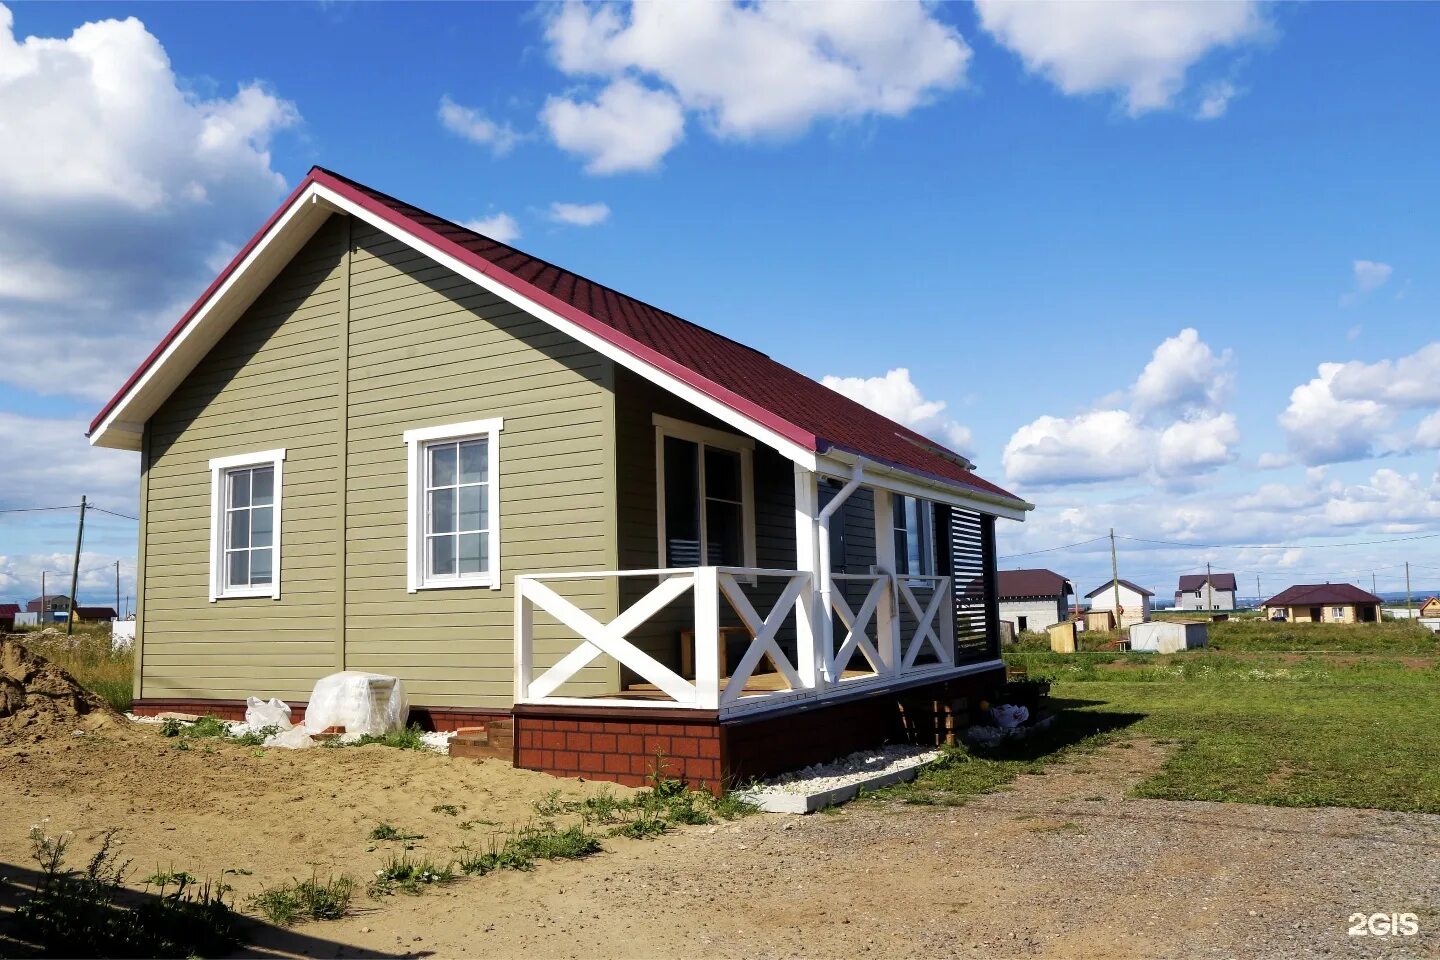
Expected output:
(822, 538)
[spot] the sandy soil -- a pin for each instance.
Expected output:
(1061, 865)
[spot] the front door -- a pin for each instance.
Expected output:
(1316, 614)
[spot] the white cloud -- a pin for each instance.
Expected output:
(474, 126)
(1183, 376)
(1273, 461)
(501, 226)
(68, 468)
(756, 69)
(895, 396)
(1428, 433)
(627, 128)
(1371, 275)
(1216, 100)
(1390, 501)
(1137, 48)
(1323, 428)
(1168, 426)
(116, 185)
(579, 214)
(1411, 381)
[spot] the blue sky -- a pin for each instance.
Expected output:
(1017, 205)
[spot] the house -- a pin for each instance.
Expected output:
(7, 615)
(1134, 601)
(100, 614)
(49, 603)
(1323, 603)
(381, 441)
(1430, 608)
(1033, 600)
(1200, 591)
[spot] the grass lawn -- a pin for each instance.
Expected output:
(1289, 715)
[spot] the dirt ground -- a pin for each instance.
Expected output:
(1060, 865)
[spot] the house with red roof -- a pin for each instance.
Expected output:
(7, 615)
(381, 441)
(1323, 603)
(1034, 599)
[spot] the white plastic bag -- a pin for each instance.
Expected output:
(295, 738)
(1008, 716)
(266, 713)
(362, 703)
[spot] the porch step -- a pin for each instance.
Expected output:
(494, 741)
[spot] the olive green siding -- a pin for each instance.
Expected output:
(357, 341)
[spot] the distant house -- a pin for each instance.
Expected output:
(7, 615)
(49, 603)
(1199, 592)
(105, 614)
(1034, 599)
(1323, 603)
(1430, 608)
(1134, 601)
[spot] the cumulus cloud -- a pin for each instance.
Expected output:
(471, 124)
(1216, 100)
(894, 395)
(1323, 428)
(1428, 433)
(746, 70)
(579, 214)
(1273, 461)
(501, 226)
(1390, 501)
(117, 182)
(1411, 381)
(627, 128)
(1184, 376)
(1138, 49)
(1371, 275)
(69, 467)
(1168, 425)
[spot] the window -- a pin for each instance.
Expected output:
(1337, 613)
(245, 525)
(914, 536)
(706, 510)
(454, 506)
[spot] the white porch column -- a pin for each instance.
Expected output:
(524, 641)
(887, 623)
(812, 625)
(706, 594)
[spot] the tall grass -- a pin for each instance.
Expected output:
(87, 657)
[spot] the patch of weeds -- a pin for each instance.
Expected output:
(732, 806)
(551, 805)
(521, 849)
(206, 727)
(449, 809)
(255, 738)
(168, 878)
(643, 827)
(385, 831)
(170, 727)
(311, 899)
(605, 807)
(405, 875)
(89, 913)
(472, 824)
(407, 739)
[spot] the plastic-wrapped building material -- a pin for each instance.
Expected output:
(266, 713)
(362, 703)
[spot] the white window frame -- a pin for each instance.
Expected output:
(219, 469)
(706, 437)
(416, 442)
(927, 533)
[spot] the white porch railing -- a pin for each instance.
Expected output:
(889, 630)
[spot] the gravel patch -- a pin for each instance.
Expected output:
(826, 784)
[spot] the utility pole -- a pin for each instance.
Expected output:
(1408, 611)
(1373, 589)
(1209, 589)
(41, 615)
(117, 588)
(1115, 577)
(75, 569)
(1259, 597)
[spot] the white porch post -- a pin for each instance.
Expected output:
(887, 623)
(706, 594)
(812, 625)
(524, 645)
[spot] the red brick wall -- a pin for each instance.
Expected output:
(619, 750)
(429, 718)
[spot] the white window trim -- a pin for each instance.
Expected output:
(706, 436)
(218, 467)
(415, 442)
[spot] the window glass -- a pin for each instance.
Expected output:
(704, 509)
(914, 536)
(682, 503)
(249, 526)
(457, 515)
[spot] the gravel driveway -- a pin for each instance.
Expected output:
(1061, 865)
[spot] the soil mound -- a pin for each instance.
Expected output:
(39, 699)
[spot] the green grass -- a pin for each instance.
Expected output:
(407, 739)
(311, 899)
(1316, 729)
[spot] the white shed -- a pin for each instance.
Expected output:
(1169, 636)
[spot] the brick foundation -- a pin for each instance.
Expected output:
(429, 718)
(620, 744)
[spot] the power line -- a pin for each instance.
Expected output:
(1278, 546)
(1031, 553)
(122, 516)
(73, 506)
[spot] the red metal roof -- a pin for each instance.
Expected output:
(9, 609)
(1110, 585)
(1015, 584)
(802, 410)
(1321, 594)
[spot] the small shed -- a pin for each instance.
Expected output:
(1169, 636)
